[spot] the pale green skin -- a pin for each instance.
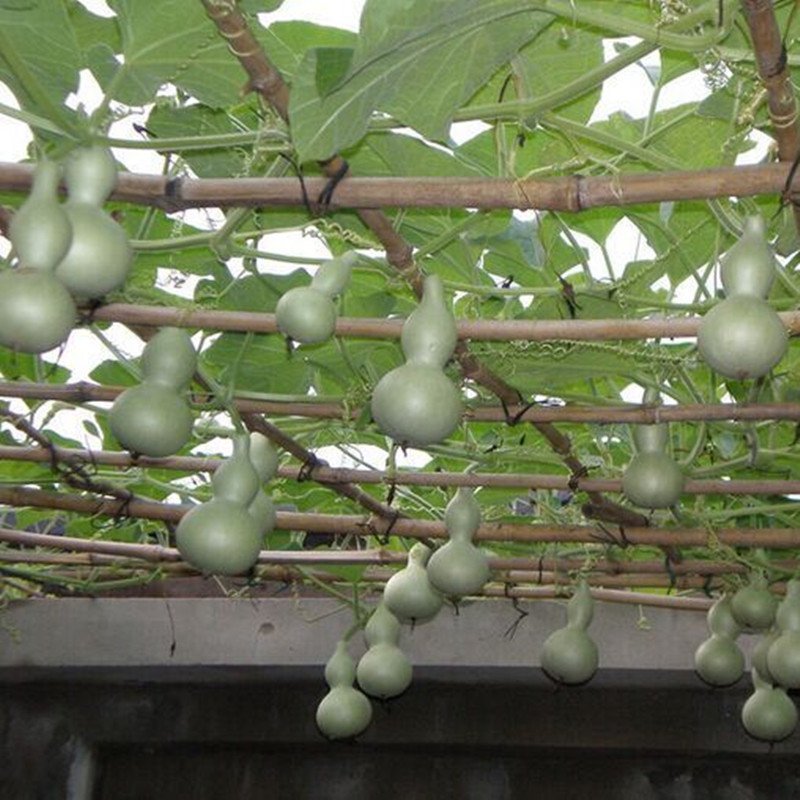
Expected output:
(219, 537)
(754, 607)
(306, 315)
(457, 569)
(409, 595)
(569, 656)
(384, 671)
(36, 312)
(653, 480)
(343, 713)
(719, 661)
(769, 714)
(783, 660)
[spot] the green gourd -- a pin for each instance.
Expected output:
(220, 536)
(742, 337)
(758, 658)
(569, 655)
(459, 567)
(36, 312)
(652, 479)
(783, 656)
(264, 457)
(768, 714)
(383, 671)
(99, 257)
(718, 660)
(154, 418)
(754, 606)
(307, 314)
(409, 594)
(344, 712)
(417, 404)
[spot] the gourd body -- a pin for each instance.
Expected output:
(768, 714)
(652, 479)
(783, 656)
(409, 594)
(742, 337)
(344, 712)
(718, 660)
(754, 606)
(416, 404)
(459, 567)
(758, 658)
(383, 671)
(569, 655)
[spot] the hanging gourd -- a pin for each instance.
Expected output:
(718, 660)
(459, 567)
(758, 658)
(383, 671)
(344, 712)
(742, 337)
(37, 312)
(307, 314)
(783, 656)
(221, 537)
(417, 404)
(569, 655)
(409, 594)
(99, 257)
(652, 479)
(768, 714)
(264, 457)
(153, 418)
(754, 605)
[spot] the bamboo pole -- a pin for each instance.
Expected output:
(324, 474)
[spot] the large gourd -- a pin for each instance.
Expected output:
(569, 655)
(153, 418)
(307, 314)
(220, 536)
(37, 312)
(652, 479)
(383, 671)
(409, 593)
(99, 257)
(417, 404)
(754, 606)
(768, 714)
(742, 337)
(718, 660)
(783, 656)
(344, 712)
(459, 567)
(264, 457)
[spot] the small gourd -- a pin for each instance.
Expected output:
(409, 594)
(569, 655)
(383, 671)
(37, 313)
(99, 257)
(754, 605)
(264, 457)
(768, 714)
(307, 314)
(154, 418)
(718, 660)
(221, 537)
(417, 404)
(783, 656)
(459, 567)
(742, 337)
(652, 479)
(344, 712)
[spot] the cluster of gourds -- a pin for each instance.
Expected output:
(768, 714)
(65, 253)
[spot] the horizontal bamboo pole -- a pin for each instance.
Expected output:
(511, 480)
(83, 392)
(332, 524)
(604, 595)
(490, 330)
(567, 193)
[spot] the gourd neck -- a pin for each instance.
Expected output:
(580, 608)
(721, 621)
(383, 627)
(333, 276)
(748, 268)
(90, 175)
(429, 334)
(236, 480)
(651, 438)
(264, 456)
(462, 517)
(340, 669)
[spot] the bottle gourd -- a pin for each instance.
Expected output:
(783, 656)
(37, 312)
(459, 567)
(753, 606)
(264, 458)
(768, 714)
(718, 660)
(153, 418)
(652, 479)
(569, 655)
(307, 314)
(417, 404)
(221, 537)
(742, 337)
(383, 671)
(99, 257)
(409, 593)
(344, 712)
